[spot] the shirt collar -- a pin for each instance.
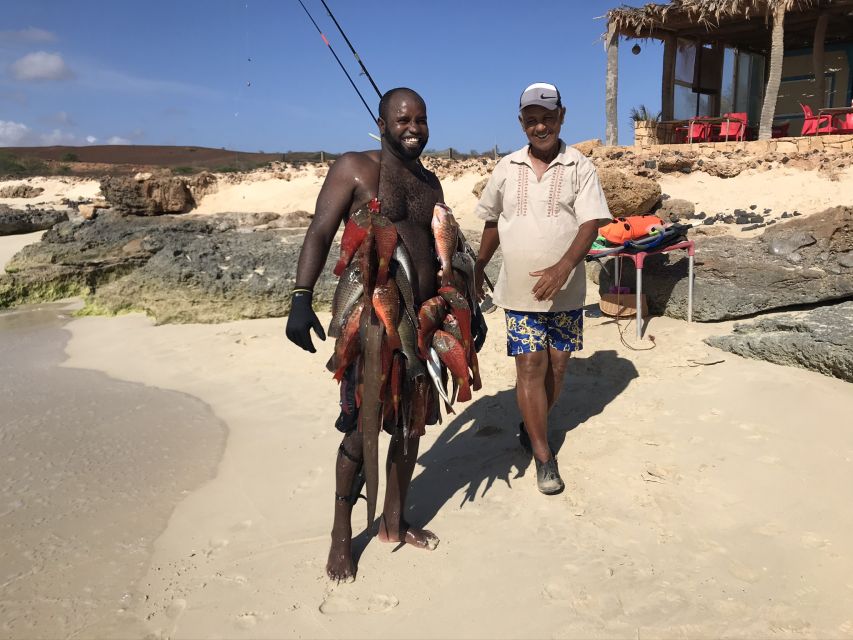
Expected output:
(564, 156)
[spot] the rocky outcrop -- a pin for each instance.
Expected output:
(176, 268)
(15, 221)
(800, 261)
(586, 147)
(147, 196)
(628, 195)
(675, 210)
(21, 191)
(820, 340)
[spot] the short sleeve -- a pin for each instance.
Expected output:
(590, 203)
(490, 205)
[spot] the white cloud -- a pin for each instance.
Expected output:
(118, 140)
(57, 137)
(13, 134)
(40, 65)
(30, 34)
(91, 139)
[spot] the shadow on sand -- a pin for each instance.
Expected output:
(479, 446)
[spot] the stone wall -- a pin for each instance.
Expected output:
(799, 144)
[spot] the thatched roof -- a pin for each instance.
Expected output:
(731, 21)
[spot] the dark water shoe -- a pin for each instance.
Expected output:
(548, 476)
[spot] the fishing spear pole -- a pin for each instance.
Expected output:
(351, 48)
(340, 64)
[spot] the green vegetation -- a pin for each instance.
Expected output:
(70, 157)
(183, 171)
(642, 114)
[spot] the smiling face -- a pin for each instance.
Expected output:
(542, 128)
(404, 125)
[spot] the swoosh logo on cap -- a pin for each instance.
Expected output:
(542, 96)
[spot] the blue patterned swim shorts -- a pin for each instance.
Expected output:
(531, 331)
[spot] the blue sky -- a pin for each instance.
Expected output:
(255, 75)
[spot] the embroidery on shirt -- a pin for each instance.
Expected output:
(522, 190)
(554, 194)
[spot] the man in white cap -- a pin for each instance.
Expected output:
(543, 205)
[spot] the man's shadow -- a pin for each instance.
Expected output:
(480, 445)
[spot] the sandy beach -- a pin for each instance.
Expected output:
(179, 481)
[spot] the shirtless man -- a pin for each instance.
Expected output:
(408, 193)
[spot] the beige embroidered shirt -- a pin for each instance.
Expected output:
(537, 222)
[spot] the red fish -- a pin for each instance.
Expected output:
(460, 308)
(396, 387)
(367, 260)
(430, 315)
(355, 231)
(348, 345)
(444, 229)
(386, 302)
(452, 354)
(385, 234)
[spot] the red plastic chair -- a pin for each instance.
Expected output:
(844, 124)
(696, 132)
(734, 129)
(813, 125)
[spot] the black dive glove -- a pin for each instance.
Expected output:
(302, 319)
(479, 328)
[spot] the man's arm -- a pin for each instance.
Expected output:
(334, 201)
(489, 243)
(554, 277)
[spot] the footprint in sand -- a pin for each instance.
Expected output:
(248, 620)
(176, 608)
(310, 480)
(336, 603)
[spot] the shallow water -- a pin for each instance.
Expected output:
(90, 470)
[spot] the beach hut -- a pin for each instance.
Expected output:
(764, 58)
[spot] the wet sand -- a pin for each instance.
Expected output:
(92, 468)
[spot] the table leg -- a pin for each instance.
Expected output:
(689, 288)
(639, 305)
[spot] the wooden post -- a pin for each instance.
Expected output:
(322, 157)
(450, 153)
(818, 62)
(611, 130)
(774, 76)
(667, 94)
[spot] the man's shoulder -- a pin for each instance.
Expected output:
(358, 159)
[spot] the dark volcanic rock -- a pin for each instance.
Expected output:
(149, 197)
(14, 221)
(741, 277)
(820, 340)
(176, 268)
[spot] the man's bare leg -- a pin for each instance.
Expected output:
(531, 373)
(339, 566)
(558, 361)
(392, 525)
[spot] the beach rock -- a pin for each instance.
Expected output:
(586, 147)
(628, 195)
(151, 196)
(819, 340)
(15, 221)
(741, 277)
(21, 191)
(675, 209)
(478, 188)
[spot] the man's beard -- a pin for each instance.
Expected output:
(402, 150)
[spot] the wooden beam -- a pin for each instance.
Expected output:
(611, 130)
(774, 76)
(818, 61)
(667, 95)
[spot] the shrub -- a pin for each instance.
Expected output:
(70, 157)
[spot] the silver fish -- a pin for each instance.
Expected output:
(347, 294)
(434, 368)
(404, 285)
(464, 263)
(409, 339)
(401, 255)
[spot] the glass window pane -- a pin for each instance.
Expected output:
(685, 102)
(685, 57)
(727, 93)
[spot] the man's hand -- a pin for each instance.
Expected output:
(479, 280)
(301, 320)
(550, 280)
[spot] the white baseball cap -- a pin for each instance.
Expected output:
(542, 94)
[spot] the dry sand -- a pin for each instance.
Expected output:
(703, 500)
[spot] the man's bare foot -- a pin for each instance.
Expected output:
(420, 538)
(339, 566)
